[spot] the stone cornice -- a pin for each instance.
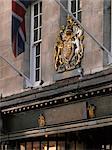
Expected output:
(61, 92)
(60, 100)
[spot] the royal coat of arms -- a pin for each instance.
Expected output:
(69, 48)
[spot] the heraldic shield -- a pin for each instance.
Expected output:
(69, 48)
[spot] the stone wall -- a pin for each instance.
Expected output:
(10, 81)
(51, 20)
(92, 18)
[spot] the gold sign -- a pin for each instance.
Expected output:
(69, 48)
(41, 120)
(91, 111)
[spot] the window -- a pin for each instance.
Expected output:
(36, 145)
(106, 147)
(74, 6)
(29, 145)
(55, 144)
(22, 146)
(36, 40)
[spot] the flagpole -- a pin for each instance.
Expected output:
(100, 45)
(18, 71)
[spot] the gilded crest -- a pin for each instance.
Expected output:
(69, 47)
(41, 120)
(91, 111)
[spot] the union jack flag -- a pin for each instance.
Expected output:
(18, 25)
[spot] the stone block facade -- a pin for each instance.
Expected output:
(92, 19)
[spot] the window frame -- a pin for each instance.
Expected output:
(34, 44)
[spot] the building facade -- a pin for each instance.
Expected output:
(59, 95)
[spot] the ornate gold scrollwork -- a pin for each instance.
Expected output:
(69, 48)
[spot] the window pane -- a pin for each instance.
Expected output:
(79, 16)
(74, 15)
(37, 62)
(35, 9)
(40, 20)
(36, 146)
(44, 146)
(38, 49)
(52, 145)
(35, 22)
(40, 7)
(73, 6)
(35, 35)
(40, 34)
(108, 147)
(37, 75)
(22, 146)
(61, 145)
(28, 146)
(78, 4)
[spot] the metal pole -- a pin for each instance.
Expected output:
(19, 72)
(100, 45)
